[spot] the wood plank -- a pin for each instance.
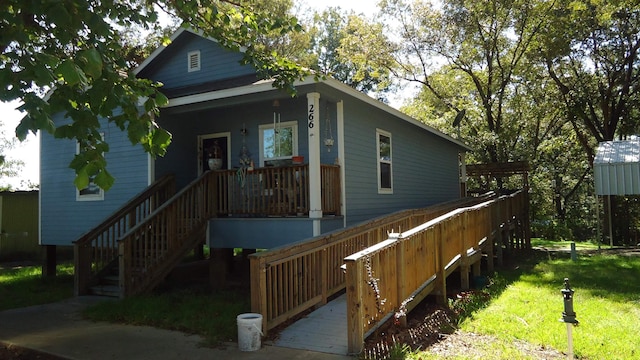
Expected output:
(323, 330)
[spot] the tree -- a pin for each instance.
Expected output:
(483, 44)
(591, 52)
(138, 44)
(293, 45)
(72, 51)
(352, 49)
(483, 58)
(8, 167)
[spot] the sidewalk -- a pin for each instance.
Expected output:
(58, 329)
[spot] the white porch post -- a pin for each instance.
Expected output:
(342, 163)
(313, 126)
(463, 173)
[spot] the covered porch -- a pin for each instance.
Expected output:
(276, 161)
(271, 206)
(281, 191)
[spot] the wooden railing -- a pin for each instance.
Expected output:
(154, 246)
(397, 273)
(97, 250)
(288, 280)
(275, 191)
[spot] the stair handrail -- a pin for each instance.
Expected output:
(150, 249)
(97, 250)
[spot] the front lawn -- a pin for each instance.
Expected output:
(192, 310)
(22, 286)
(526, 306)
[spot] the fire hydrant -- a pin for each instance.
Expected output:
(568, 315)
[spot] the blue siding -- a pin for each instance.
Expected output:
(328, 121)
(424, 166)
(216, 63)
(63, 219)
(265, 233)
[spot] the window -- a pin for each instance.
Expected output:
(279, 142)
(92, 192)
(193, 60)
(385, 174)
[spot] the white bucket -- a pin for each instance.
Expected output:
(249, 331)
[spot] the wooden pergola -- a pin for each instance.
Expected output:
(501, 170)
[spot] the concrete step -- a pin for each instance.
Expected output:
(106, 290)
(110, 280)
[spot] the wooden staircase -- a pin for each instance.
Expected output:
(108, 284)
(140, 257)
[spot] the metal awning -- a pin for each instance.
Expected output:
(617, 167)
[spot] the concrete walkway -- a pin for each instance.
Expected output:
(58, 329)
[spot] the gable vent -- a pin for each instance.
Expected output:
(193, 60)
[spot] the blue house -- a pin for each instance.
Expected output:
(285, 168)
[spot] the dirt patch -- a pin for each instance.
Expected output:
(474, 347)
(432, 328)
(427, 324)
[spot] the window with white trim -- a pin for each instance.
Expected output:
(279, 141)
(193, 60)
(385, 173)
(92, 192)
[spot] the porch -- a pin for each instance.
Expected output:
(136, 247)
(281, 191)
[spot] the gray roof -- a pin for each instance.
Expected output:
(617, 167)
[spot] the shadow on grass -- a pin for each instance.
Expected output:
(466, 303)
(194, 310)
(26, 287)
(603, 275)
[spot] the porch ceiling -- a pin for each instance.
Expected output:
(254, 92)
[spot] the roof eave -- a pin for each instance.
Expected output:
(267, 85)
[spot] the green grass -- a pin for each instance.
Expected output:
(211, 315)
(25, 286)
(189, 310)
(527, 304)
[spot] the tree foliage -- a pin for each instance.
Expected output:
(483, 44)
(350, 49)
(591, 53)
(74, 52)
(8, 167)
(542, 81)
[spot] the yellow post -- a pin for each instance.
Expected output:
(441, 277)
(258, 276)
(461, 233)
(355, 315)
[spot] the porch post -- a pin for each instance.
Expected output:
(463, 173)
(313, 125)
(340, 134)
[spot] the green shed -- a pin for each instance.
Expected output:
(19, 235)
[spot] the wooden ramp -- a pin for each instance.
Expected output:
(324, 330)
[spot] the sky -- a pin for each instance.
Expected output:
(28, 151)
(364, 6)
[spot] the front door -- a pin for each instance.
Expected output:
(216, 146)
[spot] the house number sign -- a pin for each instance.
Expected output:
(312, 116)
